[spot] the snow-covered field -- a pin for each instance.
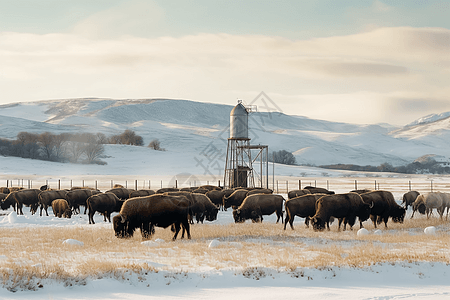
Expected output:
(186, 129)
(207, 277)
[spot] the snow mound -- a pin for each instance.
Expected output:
(11, 218)
(378, 232)
(430, 230)
(362, 232)
(214, 244)
(73, 242)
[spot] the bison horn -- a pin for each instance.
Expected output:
(371, 205)
(122, 219)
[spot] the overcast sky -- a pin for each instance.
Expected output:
(354, 61)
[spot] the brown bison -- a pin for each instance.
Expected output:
(409, 198)
(28, 197)
(302, 206)
(259, 191)
(4, 190)
(255, 206)
(105, 204)
(141, 193)
(296, 193)
(46, 198)
(210, 187)
(235, 199)
(318, 190)
(121, 193)
(61, 208)
(216, 197)
(147, 212)
(345, 207)
(78, 197)
(384, 206)
(200, 191)
(165, 190)
(205, 208)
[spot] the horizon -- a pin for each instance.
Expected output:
(360, 62)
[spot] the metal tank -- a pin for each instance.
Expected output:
(239, 122)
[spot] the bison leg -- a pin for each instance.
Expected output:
(146, 230)
(279, 215)
(186, 228)
(177, 229)
(339, 224)
(91, 216)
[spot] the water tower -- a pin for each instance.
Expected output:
(239, 165)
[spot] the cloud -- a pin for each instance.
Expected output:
(363, 72)
(137, 17)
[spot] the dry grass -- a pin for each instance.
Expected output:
(37, 253)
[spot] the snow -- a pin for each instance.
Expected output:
(185, 129)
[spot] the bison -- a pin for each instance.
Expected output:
(147, 212)
(141, 193)
(121, 193)
(4, 190)
(46, 198)
(384, 206)
(345, 207)
(409, 198)
(216, 197)
(205, 208)
(302, 206)
(318, 190)
(296, 193)
(235, 199)
(104, 203)
(429, 201)
(61, 208)
(28, 197)
(165, 190)
(255, 206)
(259, 191)
(78, 197)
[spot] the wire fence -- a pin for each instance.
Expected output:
(279, 186)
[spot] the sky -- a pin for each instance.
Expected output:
(353, 61)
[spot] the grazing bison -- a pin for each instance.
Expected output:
(429, 201)
(104, 203)
(409, 198)
(303, 206)
(345, 207)
(210, 187)
(318, 190)
(46, 198)
(296, 193)
(147, 212)
(235, 199)
(200, 191)
(259, 191)
(255, 206)
(28, 197)
(121, 193)
(141, 193)
(4, 190)
(165, 190)
(216, 197)
(78, 197)
(205, 208)
(384, 206)
(61, 208)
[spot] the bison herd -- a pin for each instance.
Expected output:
(177, 208)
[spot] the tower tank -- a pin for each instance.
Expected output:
(239, 122)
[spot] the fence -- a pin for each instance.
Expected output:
(337, 184)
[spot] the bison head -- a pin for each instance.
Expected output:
(398, 216)
(211, 215)
(67, 213)
(120, 227)
(238, 216)
(318, 223)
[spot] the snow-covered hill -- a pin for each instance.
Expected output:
(189, 129)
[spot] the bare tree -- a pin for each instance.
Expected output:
(156, 145)
(93, 150)
(46, 141)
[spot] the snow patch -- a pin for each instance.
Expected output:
(73, 242)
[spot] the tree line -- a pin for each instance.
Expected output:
(68, 147)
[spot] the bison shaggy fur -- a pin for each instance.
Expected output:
(61, 208)
(255, 206)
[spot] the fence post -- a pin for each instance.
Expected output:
(71, 184)
(161, 183)
(356, 184)
(7, 183)
(299, 184)
(96, 185)
(83, 182)
(149, 184)
(375, 184)
(59, 184)
(410, 185)
(315, 183)
(111, 183)
(277, 186)
(176, 183)
(126, 184)
(219, 184)
(431, 185)
(287, 186)
(136, 185)
(328, 185)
